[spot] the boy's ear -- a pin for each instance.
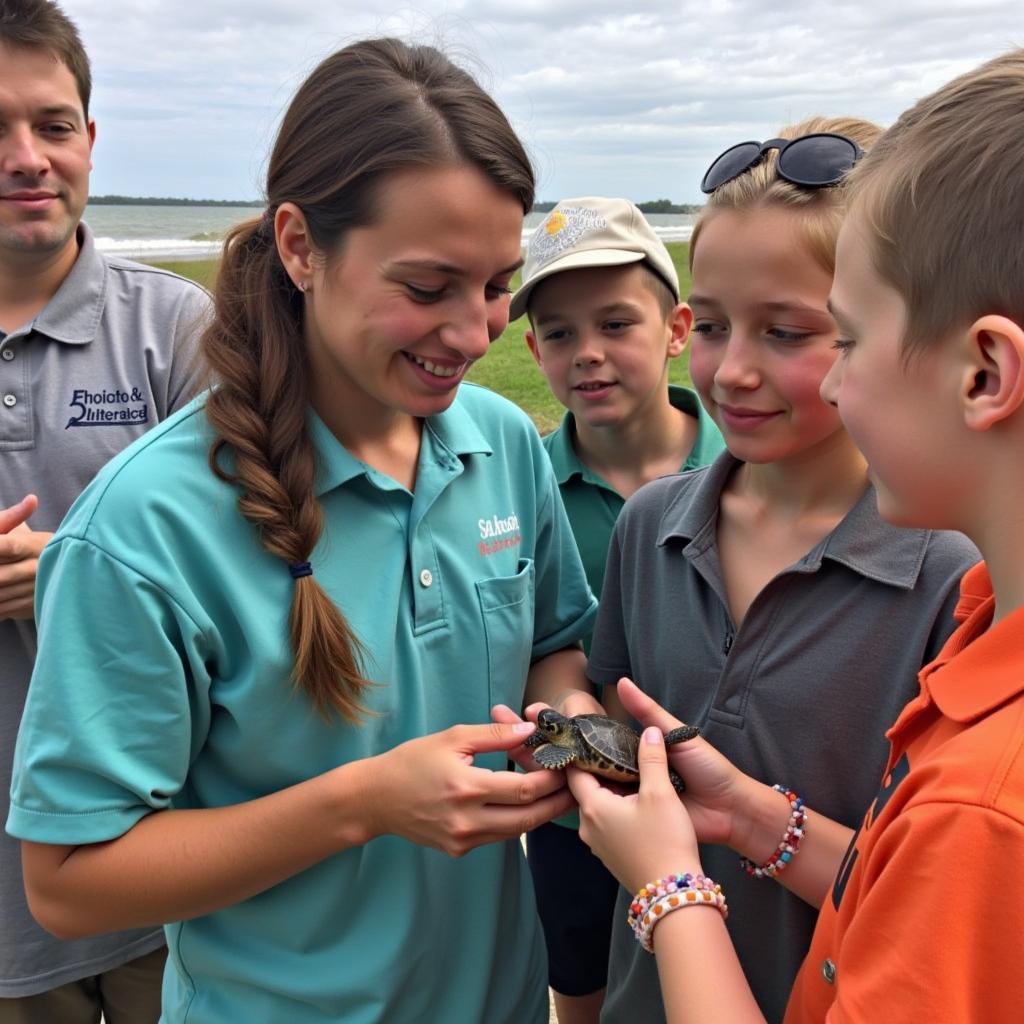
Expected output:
(680, 323)
(294, 244)
(531, 344)
(993, 382)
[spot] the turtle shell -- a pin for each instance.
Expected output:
(607, 747)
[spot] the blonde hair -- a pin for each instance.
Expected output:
(942, 203)
(821, 210)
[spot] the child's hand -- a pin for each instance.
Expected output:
(429, 791)
(640, 836)
(715, 787)
(569, 703)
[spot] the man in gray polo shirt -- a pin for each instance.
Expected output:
(93, 352)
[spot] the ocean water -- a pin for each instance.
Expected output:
(195, 232)
(164, 232)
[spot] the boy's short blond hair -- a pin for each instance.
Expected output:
(941, 198)
(821, 210)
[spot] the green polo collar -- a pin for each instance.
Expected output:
(566, 463)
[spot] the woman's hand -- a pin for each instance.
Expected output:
(643, 835)
(429, 791)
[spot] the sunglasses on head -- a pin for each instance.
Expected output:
(810, 161)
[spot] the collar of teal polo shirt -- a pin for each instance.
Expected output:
(73, 314)
(454, 431)
(862, 541)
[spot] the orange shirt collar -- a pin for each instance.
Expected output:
(981, 666)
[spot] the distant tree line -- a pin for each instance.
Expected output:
(168, 201)
(650, 206)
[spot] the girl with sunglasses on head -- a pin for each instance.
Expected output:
(263, 631)
(762, 598)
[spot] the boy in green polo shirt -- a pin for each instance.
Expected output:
(602, 295)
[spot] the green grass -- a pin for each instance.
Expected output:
(508, 368)
(203, 271)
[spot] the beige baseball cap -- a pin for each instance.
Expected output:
(591, 232)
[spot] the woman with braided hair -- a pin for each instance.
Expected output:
(268, 628)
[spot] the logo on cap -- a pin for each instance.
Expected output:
(562, 231)
(555, 222)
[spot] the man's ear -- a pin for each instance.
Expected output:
(680, 323)
(90, 129)
(531, 344)
(294, 244)
(992, 388)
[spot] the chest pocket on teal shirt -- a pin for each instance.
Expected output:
(506, 604)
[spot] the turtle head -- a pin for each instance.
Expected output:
(552, 724)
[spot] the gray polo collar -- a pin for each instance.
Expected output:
(73, 314)
(863, 541)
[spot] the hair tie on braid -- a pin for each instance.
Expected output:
(300, 569)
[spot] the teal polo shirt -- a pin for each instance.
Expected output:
(592, 504)
(163, 680)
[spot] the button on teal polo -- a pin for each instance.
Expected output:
(163, 681)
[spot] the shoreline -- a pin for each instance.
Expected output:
(175, 250)
(164, 255)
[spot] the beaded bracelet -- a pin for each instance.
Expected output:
(656, 899)
(790, 844)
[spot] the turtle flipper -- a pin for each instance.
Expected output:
(681, 734)
(677, 782)
(550, 756)
(535, 739)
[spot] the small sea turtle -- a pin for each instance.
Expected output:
(596, 744)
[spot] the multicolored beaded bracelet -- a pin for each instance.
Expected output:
(790, 844)
(656, 899)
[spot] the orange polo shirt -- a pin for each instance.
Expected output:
(925, 921)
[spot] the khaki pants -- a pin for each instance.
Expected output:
(129, 994)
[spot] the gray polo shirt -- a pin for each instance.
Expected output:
(112, 354)
(800, 694)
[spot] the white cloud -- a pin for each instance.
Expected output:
(634, 102)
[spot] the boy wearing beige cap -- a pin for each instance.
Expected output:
(602, 296)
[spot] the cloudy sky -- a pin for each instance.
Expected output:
(188, 93)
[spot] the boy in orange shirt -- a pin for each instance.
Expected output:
(921, 911)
